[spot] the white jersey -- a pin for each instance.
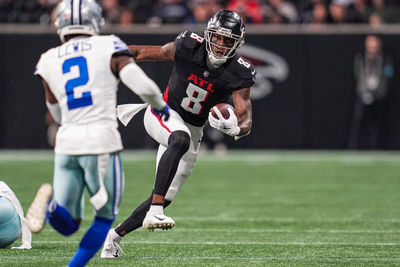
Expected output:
(79, 75)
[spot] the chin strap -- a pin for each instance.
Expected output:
(215, 61)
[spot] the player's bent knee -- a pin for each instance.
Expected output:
(69, 230)
(179, 139)
(65, 226)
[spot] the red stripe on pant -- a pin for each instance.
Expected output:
(160, 121)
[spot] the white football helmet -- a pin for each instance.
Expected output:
(78, 17)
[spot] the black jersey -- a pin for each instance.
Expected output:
(193, 88)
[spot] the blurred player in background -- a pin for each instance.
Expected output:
(207, 72)
(81, 78)
(13, 224)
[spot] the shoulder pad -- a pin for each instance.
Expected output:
(242, 72)
(119, 45)
(188, 40)
(243, 68)
(43, 61)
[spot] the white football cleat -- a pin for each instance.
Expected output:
(36, 215)
(111, 248)
(154, 220)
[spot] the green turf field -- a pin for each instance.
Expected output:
(241, 209)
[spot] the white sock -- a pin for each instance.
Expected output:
(156, 209)
(115, 236)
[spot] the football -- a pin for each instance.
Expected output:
(223, 108)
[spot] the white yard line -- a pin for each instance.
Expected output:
(249, 156)
(326, 231)
(216, 258)
(272, 258)
(212, 243)
(282, 219)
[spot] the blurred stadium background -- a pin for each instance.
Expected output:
(314, 184)
(305, 96)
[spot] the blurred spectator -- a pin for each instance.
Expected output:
(126, 17)
(141, 9)
(306, 8)
(216, 6)
(342, 2)
(390, 11)
(337, 13)
(117, 13)
(203, 10)
(26, 11)
(358, 12)
(111, 11)
(375, 20)
(373, 70)
(380, 4)
(280, 11)
(157, 12)
(249, 10)
(171, 12)
(320, 14)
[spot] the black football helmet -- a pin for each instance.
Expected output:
(228, 25)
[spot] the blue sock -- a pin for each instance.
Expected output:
(91, 241)
(61, 219)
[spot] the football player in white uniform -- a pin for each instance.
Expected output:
(81, 78)
(13, 224)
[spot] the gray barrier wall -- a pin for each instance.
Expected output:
(304, 96)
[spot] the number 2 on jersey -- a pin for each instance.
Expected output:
(194, 99)
(86, 98)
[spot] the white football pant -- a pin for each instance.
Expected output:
(160, 131)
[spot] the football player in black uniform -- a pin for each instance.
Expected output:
(207, 72)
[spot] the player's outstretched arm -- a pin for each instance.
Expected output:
(243, 108)
(135, 79)
(151, 52)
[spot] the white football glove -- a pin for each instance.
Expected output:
(227, 126)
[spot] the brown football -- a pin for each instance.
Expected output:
(223, 108)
